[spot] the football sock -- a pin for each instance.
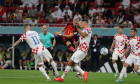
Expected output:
(42, 70)
(122, 72)
(115, 67)
(54, 68)
(68, 68)
(20, 67)
(77, 68)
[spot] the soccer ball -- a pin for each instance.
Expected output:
(104, 51)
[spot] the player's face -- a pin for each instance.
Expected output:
(75, 23)
(132, 33)
(120, 30)
(82, 25)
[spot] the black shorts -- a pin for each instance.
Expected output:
(66, 40)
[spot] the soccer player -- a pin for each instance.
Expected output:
(81, 51)
(48, 41)
(134, 57)
(119, 42)
(38, 49)
(70, 35)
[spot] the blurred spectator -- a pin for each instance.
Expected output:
(33, 21)
(25, 19)
(125, 3)
(19, 9)
(111, 23)
(57, 13)
(128, 24)
(1, 56)
(35, 2)
(77, 15)
(138, 9)
(31, 60)
(42, 20)
(99, 2)
(75, 6)
(86, 5)
(137, 18)
(114, 16)
(107, 13)
(25, 10)
(100, 9)
(33, 11)
(8, 59)
(106, 3)
(100, 20)
(135, 4)
(67, 3)
(95, 52)
(85, 62)
(122, 10)
(120, 18)
(19, 16)
(67, 9)
(82, 10)
(39, 15)
(42, 7)
(66, 57)
(60, 5)
(16, 2)
(66, 18)
(23, 58)
(92, 11)
(51, 17)
(50, 3)
(2, 13)
(26, 2)
(94, 18)
(128, 15)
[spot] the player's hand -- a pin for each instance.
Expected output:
(111, 50)
(10, 48)
(57, 33)
(51, 48)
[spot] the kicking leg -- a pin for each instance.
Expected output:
(115, 67)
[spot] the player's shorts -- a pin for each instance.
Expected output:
(9, 62)
(132, 59)
(78, 56)
(116, 54)
(42, 54)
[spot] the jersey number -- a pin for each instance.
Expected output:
(35, 39)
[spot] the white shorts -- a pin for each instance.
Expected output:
(116, 54)
(132, 59)
(78, 56)
(42, 54)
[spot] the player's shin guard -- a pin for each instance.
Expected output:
(122, 72)
(55, 68)
(42, 70)
(77, 68)
(68, 68)
(71, 48)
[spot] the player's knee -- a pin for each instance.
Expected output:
(68, 43)
(135, 69)
(70, 63)
(126, 64)
(113, 61)
(51, 60)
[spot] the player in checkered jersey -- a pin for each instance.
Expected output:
(81, 51)
(38, 49)
(119, 42)
(134, 57)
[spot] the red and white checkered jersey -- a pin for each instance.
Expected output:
(120, 41)
(134, 43)
(33, 40)
(84, 41)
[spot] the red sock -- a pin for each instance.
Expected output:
(71, 48)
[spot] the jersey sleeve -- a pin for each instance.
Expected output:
(23, 37)
(52, 37)
(87, 31)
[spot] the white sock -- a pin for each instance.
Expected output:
(122, 72)
(55, 68)
(68, 68)
(125, 72)
(25, 67)
(115, 67)
(20, 67)
(61, 67)
(77, 72)
(1, 62)
(77, 68)
(4, 66)
(42, 70)
(138, 72)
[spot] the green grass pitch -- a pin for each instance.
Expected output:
(36, 77)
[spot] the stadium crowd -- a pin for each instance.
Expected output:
(105, 12)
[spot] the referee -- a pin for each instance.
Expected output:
(48, 41)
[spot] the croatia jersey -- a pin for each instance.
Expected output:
(120, 41)
(33, 40)
(84, 41)
(134, 43)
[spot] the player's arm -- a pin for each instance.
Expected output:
(64, 28)
(83, 34)
(68, 36)
(15, 44)
(112, 46)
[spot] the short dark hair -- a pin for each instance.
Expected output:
(95, 35)
(134, 29)
(120, 27)
(85, 20)
(26, 25)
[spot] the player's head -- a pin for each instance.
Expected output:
(75, 21)
(27, 27)
(44, 28)
(120, 30)
(133, 32)
(84, 23)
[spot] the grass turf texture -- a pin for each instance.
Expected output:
(36, 77)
